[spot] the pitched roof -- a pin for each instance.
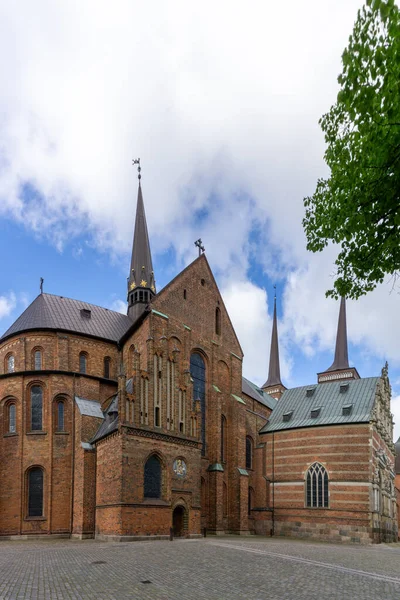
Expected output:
(91, 408)
(48, 311)
(294, 408)
(110, 422)
(252, 390)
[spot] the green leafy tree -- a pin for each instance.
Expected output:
(358, 207)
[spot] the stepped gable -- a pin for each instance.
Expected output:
(48, 311)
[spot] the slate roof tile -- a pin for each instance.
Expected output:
(48, 311)
(252, 390)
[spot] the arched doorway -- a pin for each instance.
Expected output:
(178, 521)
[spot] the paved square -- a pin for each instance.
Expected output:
(212, 568)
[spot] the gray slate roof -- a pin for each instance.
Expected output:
(110, 422)
(252, 390)
(56, 312)
(360, 393)
(90, 408)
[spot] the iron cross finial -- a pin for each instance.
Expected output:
(136, 161)
(200, 246)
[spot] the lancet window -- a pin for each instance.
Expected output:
(317, 487)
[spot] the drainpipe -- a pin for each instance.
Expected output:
(273, 485)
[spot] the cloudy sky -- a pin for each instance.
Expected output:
(221, 101)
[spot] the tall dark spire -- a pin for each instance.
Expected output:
(341, 353)
(340, 369)
(141, 282)
(274, 373)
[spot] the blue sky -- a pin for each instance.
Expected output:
(227, 131)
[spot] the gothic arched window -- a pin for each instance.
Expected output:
(249, 452)
(317, 487)
(35, 492)
(198, 374)
(152, 477)
(36, 408)
(82, 362)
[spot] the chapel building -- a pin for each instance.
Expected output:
(121, 427)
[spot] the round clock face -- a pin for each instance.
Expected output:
(179, 467)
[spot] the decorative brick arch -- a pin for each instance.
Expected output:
(180, 517)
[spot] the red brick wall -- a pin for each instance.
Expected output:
(345, 452)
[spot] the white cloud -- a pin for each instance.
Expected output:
(222, 105)
(7, 304)
(247, 306)
(396, 416)
(119, 306)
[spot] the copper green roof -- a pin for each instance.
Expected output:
(339, 402)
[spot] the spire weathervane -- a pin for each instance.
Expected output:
(136, 161)
(41, 285)
(200, 246)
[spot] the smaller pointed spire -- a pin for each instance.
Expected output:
(341, 360)
(340, 369)
(141, 282)
(274, 385)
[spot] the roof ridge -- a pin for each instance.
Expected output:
(83, 302)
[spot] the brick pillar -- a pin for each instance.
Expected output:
(215, 516)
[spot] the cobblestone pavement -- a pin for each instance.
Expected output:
(213, 568)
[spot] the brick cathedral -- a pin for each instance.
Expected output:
(121, 427)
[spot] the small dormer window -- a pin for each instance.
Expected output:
(315, 412)
(310, 392)
(287, 416)
(347, 409)
(86, 313)
(344, 387)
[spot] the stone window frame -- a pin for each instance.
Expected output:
(316, 499)
(29, 517)
(7, 359)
